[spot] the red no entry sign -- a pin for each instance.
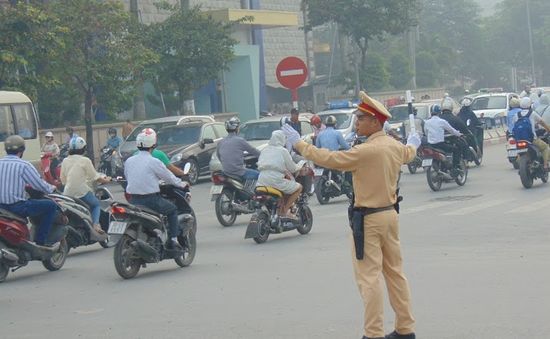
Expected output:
(291, 72)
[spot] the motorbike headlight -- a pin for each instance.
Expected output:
(176, 158)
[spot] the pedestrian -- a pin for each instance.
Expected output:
(70, 134)
(375, 165)
(127, 128)
(295, 121)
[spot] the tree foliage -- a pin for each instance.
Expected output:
(193, 49)
(400, 71)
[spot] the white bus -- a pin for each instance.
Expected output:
(17, 116)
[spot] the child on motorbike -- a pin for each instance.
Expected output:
(76, 172)
(277, 170)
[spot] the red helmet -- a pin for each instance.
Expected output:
(315, 120)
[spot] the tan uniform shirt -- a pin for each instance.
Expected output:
(375, 165)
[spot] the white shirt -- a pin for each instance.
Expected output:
(534, 118)
(143, 173)
(435, 128)
(76, 172)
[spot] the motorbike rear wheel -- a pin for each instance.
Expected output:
(307, 220)
(189, 244)
(56, 261)
(4, 270)
(263, 227)
(125, 265)
(544, 177)
(525, 176)
(434, 181)
(223, 205)
(412, 167)
(461, 179)
(320, 191)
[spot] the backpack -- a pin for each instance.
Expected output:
(523, 130)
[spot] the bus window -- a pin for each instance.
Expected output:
(6, 122)
(24, 123)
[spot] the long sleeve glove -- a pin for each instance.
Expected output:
(292, 136)
(414, 140)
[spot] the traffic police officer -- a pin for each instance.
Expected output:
(375, 166)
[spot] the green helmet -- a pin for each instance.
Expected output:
(14, 144)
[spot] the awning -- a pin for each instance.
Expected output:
(263, 18)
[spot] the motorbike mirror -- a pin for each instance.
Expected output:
(186, 168)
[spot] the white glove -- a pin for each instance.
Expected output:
(292, 137)
(414, 140)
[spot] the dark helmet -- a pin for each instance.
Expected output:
(14, 144)
(69, 130)
(436, 109)
(112, 130)
(232, 124)
(330, 120)
(284, 120)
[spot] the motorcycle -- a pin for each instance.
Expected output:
(141, 233)
(232, 196)
(331, 184)
(512, 150)
(80, 219)
(475, 155)
(266, 219)
(417, 161)
(110, 164)
(439, 168)
(531, 165)
(16, 241)
(51, 177)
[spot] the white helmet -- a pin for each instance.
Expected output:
(466, 102)
(77, 143)
(49, 134)
(232, 124)
(147, 138)
(525, 103)
(447, 105)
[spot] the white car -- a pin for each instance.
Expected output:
(492, 107)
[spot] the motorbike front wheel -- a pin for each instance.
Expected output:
(434, 181)
(524, 174)
(263, 227)
(57, 260)
(189, 244)
(224, 212)
(125, 265)
(320, 191)
(412, 166)
(461, 179)
(306, 218)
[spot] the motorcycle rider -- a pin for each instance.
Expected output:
(418, 124)
(466, 114)
(76, 171)
(317, 125)
(231, 150)
(163, 157)
(435, 128)
(526, 108)
(70, 134)
(114, 141)
(544, 105)
(143, 172)
(295, 121)
(277, 170)
(330, 138)
(512, 114)
(457, 124)
(15, 174)
(52, 148)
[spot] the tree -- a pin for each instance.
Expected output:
(193, 49)
(400, 71)
(426, 69)
(363, 20)
(375, 72)
(100, 55)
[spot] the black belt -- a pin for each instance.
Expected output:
(143, 195)
(368, 210)
(357, 217)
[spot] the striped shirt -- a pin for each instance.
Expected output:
(15, 174)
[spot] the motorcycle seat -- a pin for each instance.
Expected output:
(267, 190)
(9, 215)
(148, 210)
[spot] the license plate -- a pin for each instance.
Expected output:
(216, 189)
(426, 162)
(523, 150)
(512, 153)
(117, 227)
(318, 172)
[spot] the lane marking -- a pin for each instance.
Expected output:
(530, 207)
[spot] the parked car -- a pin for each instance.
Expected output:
(193, 143)
(128, 146)
(492, 108)
(258, 132)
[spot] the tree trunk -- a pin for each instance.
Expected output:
(139, 102)
(88, 124)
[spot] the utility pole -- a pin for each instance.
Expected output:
(531, 42)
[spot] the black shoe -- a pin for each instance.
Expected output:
(173, 245)
(395, 335)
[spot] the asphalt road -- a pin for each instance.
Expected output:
(476, 258)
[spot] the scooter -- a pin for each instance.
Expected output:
(49, 177)
(266, 219)
(512, 150)
(140, 233)
(531, 165)
(17, 248)
(331, 184)
(439, 168)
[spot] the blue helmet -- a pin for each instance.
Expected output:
(436, 109)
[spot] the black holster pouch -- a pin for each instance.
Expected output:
(358, 229)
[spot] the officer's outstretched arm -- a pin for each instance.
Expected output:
(342, 160)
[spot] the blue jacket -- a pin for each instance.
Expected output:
(331, 139)
(510, 118)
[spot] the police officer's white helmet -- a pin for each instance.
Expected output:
(466, 102)
(525, 103)
(147, 138)
(447, 105)
(77, 143)
(232, 124)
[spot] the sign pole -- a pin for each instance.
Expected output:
(294, 94)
